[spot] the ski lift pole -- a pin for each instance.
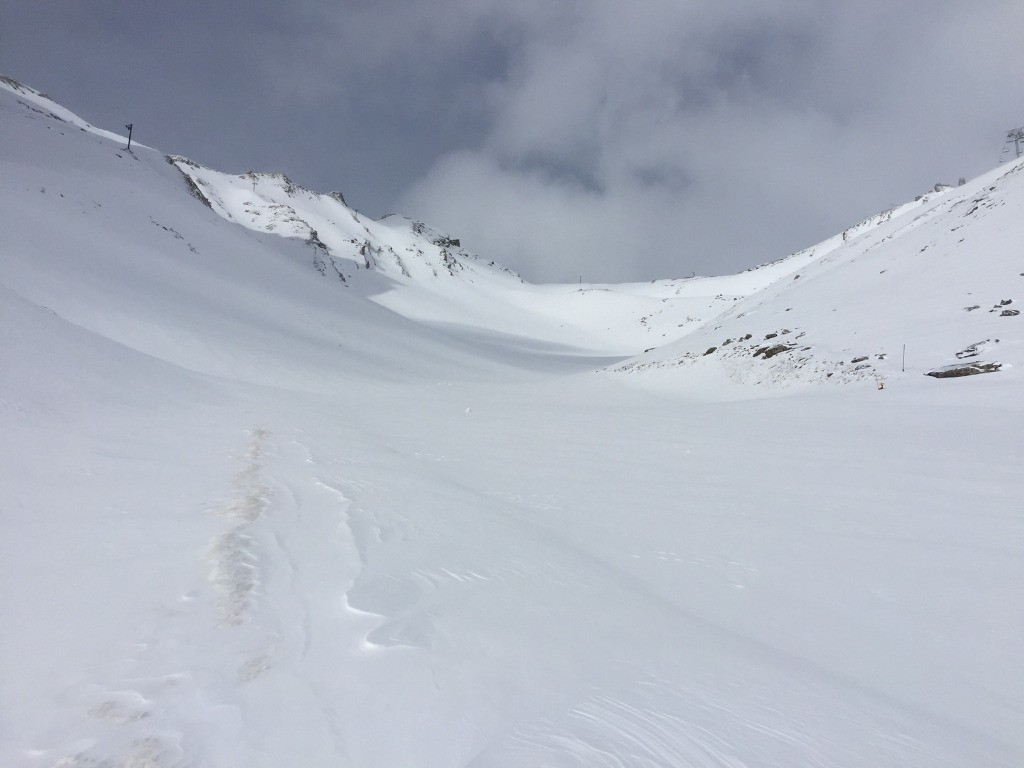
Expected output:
(129, 127)
(1014, 138)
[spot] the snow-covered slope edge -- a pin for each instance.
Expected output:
(945, 283)
(114, 245)
(42, 104)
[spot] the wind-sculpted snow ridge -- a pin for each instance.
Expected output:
(906, 293)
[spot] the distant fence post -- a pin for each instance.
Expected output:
(129, 127)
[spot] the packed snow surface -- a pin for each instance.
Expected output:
(284, 486)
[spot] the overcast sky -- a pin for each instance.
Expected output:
(609, 140)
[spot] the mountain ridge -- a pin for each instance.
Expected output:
(664, 327)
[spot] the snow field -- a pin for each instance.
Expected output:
(253, 516)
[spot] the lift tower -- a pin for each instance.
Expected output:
(1014, 145)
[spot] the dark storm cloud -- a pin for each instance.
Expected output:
(617, 141)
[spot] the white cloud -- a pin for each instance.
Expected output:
(627, 143)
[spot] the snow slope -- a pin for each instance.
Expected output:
(253, 515)
(439, 282)
(924, 292)
(436, 280)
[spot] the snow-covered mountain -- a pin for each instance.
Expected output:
(895, 279)
(434, 279)
(284, 485)
(932, 287)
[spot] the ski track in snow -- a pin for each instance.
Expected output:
(269, 598)
(295, 612)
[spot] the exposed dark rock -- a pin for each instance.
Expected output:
(971, 369)
(710, 350)
(773, 351)
(449, 261)
(860, 359)
(770, 336)
(768, 352)
(191, 186)
(972, 351)
(972, 308)
(314, 240)
(1009, 313)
